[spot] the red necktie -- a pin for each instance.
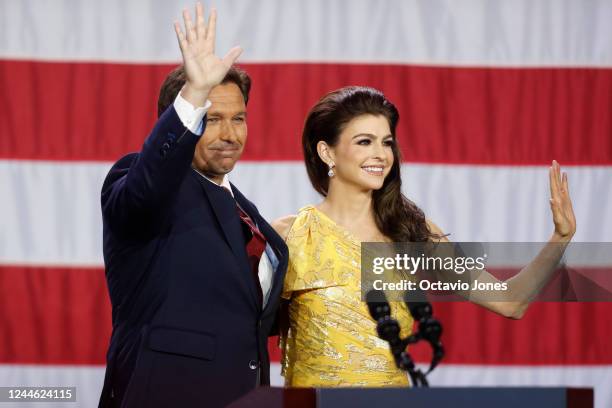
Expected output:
(256, 244)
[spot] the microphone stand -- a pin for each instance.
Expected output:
(428, 329)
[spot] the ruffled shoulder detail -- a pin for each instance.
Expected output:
(321, 253)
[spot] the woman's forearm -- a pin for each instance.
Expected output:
(525, 286)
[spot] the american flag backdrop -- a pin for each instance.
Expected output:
(489, 92)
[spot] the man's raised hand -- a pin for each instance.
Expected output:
(203, 68)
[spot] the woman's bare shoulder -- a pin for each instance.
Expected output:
(282, 225)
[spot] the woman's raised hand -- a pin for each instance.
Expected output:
(561, 204)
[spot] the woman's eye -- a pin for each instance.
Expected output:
(388, 142)
(364, 142)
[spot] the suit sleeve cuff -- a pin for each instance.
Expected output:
(190, 116)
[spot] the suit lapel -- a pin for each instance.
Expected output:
(273, 239)
(224, 208)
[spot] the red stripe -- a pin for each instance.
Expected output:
(549, 334)
(95, 111)
(53, 315)
(62, 316)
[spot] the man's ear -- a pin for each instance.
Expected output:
(326, 153)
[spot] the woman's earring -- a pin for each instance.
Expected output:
(331, 173)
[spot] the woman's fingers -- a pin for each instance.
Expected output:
(557, 175)
(551, 183)
(561, 202)
(568, 198)
(565, 185)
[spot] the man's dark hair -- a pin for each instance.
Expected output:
(176, 79)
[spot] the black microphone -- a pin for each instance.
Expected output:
(378, 309)
(388, 328)
(422, 313)
(428, 329)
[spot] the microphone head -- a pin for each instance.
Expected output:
(388, 329)
(418, 305)
(377, 305)
(420, 310)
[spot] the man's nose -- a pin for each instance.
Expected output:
(228, 132)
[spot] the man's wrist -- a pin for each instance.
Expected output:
(195, 96)
(191, 116)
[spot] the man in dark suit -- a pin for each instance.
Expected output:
(193, 271)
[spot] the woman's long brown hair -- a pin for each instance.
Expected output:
(396, 216)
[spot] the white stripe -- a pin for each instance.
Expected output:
(88, 379)
(444, 32)
(50, 211)
(456, 375)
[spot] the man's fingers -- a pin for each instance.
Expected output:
(191, 35)
(200, 27)
(211, 30)
(180, 36)
(231, 57)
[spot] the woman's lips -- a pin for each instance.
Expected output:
(374, 170)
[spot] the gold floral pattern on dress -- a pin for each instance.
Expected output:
(332, 339)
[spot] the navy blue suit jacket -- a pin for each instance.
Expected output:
(187, 326)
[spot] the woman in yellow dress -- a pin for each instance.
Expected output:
(353, 161)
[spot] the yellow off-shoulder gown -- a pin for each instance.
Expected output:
(332, 340)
